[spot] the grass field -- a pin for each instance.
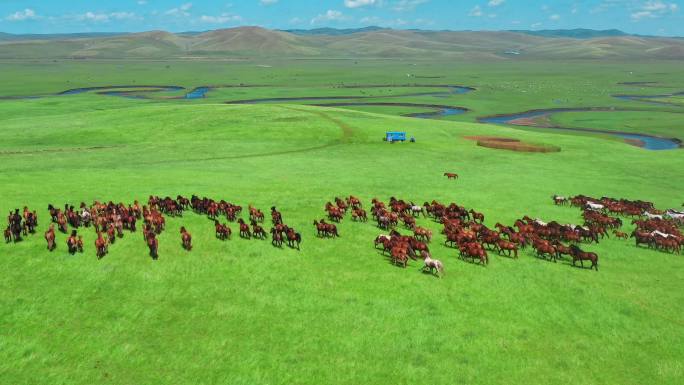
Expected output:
(337, 312)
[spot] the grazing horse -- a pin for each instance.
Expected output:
(432, 265)
(620, 234)
(100, 246)
(578, 254)
(451, 175)
(186, 238)
(50, 238)
(244, 229)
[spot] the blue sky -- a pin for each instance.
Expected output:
(655, 17)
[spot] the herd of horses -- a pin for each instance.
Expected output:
(656, 229)
(463, 229)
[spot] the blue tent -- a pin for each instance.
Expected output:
(395, 136)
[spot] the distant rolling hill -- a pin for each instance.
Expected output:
(372, 42)
(578, 33)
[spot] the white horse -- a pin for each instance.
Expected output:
(432, 264)
(540, 222)
(661, 234)
(652, 216)
(417, 210)
(595, 206)
(676, 215)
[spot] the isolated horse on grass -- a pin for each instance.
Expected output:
(432, 265)
(578, 254)
(186, 238)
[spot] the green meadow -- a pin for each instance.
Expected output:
(337, 311)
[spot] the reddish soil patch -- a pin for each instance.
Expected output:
(511, 144)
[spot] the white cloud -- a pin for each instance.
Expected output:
(221, 19)
(142, 2)
(554, 17)
(408, 5)
(476, 11)
(330, 15)
(183, 10)
(296, 20)
(536, 25)
(654, 9)
(267, 2)
(99, 17)
(26, 14)
(495, 3)
(360, 3)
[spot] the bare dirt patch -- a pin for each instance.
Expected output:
(511, 144)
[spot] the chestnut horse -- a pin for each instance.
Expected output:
(50, 238)
(451, 175)
(100, 246)
(244, 229)
(186, 238)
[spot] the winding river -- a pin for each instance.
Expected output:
(527, 118)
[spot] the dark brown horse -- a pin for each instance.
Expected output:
(579, 255)
(153, 245)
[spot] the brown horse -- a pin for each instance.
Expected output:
(507, 247)
(620, 234)
(72, 243)
(186, 238)
(153, 245)
(578, 254)
(276, 238)
(244, 229)
(222, 231)
(8, 235)
(258, 231)
(293, 238)
(451, 175)
(100, 246)
(79, 244)
(50, 238)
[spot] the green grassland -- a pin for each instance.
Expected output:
(336, 312)
(665, 124)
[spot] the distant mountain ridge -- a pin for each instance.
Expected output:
(577, 33)
(370, 42)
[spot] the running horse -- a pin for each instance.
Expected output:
(579, 255)
(50, 238)
(186, 238)
(72, 242)
(100, 246)
(434, 266)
